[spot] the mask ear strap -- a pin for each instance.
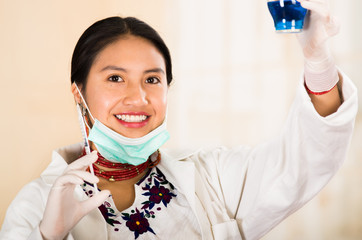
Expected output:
(85, 104)
(83, 112)
(82, 123)
(83, 129)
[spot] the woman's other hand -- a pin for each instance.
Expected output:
(320, 72)
(63, 211)
(319, 27)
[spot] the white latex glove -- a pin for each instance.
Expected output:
(320, 71)
(63, 211)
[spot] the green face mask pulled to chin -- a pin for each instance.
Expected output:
(117, 148)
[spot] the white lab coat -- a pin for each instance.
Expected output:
(239, 193)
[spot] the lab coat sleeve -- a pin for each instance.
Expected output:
(270, 182)
(25, 213)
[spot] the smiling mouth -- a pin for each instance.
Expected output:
(132, 118)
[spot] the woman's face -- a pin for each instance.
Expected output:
(127, 87)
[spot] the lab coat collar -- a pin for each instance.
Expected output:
(182, 173)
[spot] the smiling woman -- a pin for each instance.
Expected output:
(128, 86)
(121, 71)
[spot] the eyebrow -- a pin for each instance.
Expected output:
(152, 70)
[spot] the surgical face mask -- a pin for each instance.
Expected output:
(117, 148)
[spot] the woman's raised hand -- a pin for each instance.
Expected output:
(319, 27)
(63, 211)
(320, 72)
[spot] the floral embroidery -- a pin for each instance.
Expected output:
(108, 214)
(88, 192)
(106, 208)
(156, 188)
(157, 194)
(137, 223)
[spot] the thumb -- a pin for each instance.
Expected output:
(95, 201)
(332, 26)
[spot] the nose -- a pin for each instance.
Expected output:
(135, 95)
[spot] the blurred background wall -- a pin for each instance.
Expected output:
(235, 80)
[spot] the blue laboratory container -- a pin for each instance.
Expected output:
(288, 15)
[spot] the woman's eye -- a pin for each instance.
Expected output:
(115, 78)
(152, 80)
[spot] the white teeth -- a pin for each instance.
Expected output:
(132, 118)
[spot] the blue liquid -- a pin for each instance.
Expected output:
(289, 17)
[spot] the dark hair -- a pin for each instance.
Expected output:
(106, 31)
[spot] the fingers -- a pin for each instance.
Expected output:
(319, 7)
(83, 162)
(320, 12)
(85, 176)
(321, 1)
(333, 26)
(75, 178)
(65, 180)
(95, 201)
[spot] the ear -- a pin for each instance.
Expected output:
(75, 93)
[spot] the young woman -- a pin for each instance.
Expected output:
(121, 70)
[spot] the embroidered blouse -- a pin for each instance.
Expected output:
(159, 211)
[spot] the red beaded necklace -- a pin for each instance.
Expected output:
(123, 171)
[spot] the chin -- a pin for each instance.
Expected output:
(135, 134)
